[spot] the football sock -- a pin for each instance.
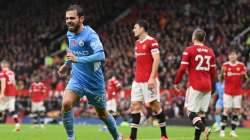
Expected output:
(234, 122)
(112, 127)
(136, 117)
(223, 121)
(162, 123)
(68, 120)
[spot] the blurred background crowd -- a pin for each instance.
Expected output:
(33, 40)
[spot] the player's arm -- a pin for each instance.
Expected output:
(3, 86)
(156, 61)
(97, 48)
(213, 72)
(183, 66)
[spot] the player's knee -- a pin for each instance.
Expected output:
(135, 107)
(66, 105)
(103, 115)
(155, 106)
(196, 120)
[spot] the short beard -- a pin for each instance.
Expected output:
(75, 29)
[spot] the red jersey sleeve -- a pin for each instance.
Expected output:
(213, 67)
(183, 66)
(154, 47)
(1, 75)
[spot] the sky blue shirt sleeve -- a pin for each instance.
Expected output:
(95, 42)
(98, 56)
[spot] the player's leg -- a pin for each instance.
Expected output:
(228, 104)
(98, 99)
(160, 116)
(153, 97)
(235, 114)
(13, 113)
(110, 122)
(218, 110)
(135, 109)
(193, 105)
(69, 99)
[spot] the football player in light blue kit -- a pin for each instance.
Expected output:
(219, 88)
(85, 57)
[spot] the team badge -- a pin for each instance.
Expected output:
(144, 46)
(81, 43)
(238, 68)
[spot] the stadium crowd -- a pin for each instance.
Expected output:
(26, 36)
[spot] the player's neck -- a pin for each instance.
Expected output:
(233, 62)
(80, 29)
(198, 43)
(143, 36)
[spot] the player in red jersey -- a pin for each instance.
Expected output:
(199, 60)
(145, 87)
(37, 91)
(113, 88)
(8, 93)
(233, 73)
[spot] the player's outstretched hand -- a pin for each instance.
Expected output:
(62, 72)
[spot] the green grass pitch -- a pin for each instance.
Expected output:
(86, 132)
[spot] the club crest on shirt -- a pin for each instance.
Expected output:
(81, 43)
(238, 68)
(144, 46)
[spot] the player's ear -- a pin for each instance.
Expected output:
(82, 18)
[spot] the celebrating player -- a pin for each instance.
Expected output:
(37, 91)
(8, 93)
(146, 86)
(233, 72)
(85, 58)
(199, 59)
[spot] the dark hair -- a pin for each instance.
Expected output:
(76, 7)
(199, 34)
(143, 23)
(232, 50)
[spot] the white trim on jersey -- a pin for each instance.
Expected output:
(213, 65)
(185, 63)
(185, 53)
(155, 44)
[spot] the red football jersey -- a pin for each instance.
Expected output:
(9, 77)
(144, 60)
(113, 87)
(37, 91)
(200, 61)
(233, 74)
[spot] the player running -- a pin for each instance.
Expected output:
(146, 86)
(199, 59)
(37, 92)
(233, 72)
(8, 93)
(86, 58)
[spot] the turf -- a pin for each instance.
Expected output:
(86, 132)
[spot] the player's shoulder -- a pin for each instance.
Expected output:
(240, 63)
(227, 63)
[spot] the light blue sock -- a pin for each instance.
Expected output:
(68, 120)
(112, 127)
(218, 119)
